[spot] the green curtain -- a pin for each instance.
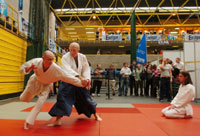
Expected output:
(133, 37)
(38, 29)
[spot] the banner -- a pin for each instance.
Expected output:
(20, 5)
(52, 46)
(111, 37)
(192, 37)
(153, 37)
(23, 25)
(4, 7)
(141, 53)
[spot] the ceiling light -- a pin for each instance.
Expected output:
(89, 28)
(137, 9)
(72, 32)
(90, 35)
(91, 39)
(89, 32)
(94, 17)
(173, 32)
(177, 28)
(69, 28)
(74, 35)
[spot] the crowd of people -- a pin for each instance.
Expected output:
(159, 81)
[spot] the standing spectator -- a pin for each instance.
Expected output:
(125, 72)
(148, 80)
(98, 76)
(180, 106)
(138, 80)
(98, 52)
(179, 64)
(111, 78)
(166, 78)
(155, 81)
(175, 82)
(91, 69)
(159, 71)
(132, 77)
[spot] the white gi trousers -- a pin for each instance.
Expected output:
(36, 110)
(175, 113)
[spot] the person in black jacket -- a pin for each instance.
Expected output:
(132, 77)
(111, 78)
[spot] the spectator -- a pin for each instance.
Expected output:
(155, 81)
(125, 72)
(138, 80)
(166, 78)
(132, 76)
(179, 64)
(98, 76)
(111, 78)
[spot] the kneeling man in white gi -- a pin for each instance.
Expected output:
(180, 105)
(45, 73)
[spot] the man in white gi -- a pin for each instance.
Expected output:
(69, 95)
(45, 73)
(180, 105)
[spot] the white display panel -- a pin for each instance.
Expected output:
(172, 55)
(192, 63)
(188, 51)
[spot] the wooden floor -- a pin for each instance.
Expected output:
(140, 120)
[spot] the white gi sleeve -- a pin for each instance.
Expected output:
(184, 97)
(28, 64)
(86, 68)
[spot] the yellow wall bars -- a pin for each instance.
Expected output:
(12, 56)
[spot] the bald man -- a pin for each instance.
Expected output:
(45, 73)
(68, 95)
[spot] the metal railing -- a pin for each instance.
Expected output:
(11, 22)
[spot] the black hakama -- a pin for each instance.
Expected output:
(69, 95)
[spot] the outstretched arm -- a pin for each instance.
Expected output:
(28, 66)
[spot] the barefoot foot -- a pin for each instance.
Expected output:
(97, 117)
(26, 126)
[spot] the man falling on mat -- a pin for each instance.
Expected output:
(69, 95)
(45, 73)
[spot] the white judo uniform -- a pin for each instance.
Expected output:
(183, 108)
(40, 82)
(69, 64)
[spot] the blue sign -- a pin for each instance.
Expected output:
(141, 53)
(4, 7)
